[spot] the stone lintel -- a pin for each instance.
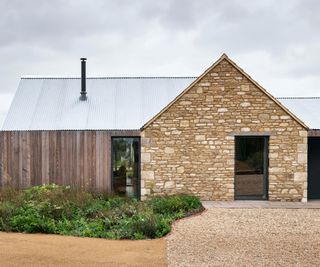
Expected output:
(252, 134)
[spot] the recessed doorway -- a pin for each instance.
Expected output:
(314, 168)
(251, 167)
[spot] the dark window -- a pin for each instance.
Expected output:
(251, 166)
(126, 166)
(314, 167)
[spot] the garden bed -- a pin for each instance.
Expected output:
(69, 211)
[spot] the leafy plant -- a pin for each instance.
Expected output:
(72, 211)
(175, 205)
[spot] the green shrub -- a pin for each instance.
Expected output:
(175, 205)
(28, 219)
(71, 211)
(150, 225)
(6, 211)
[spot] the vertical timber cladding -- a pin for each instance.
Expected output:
(189, 146)
(81, 158)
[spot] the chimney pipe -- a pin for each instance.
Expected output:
(83, 92)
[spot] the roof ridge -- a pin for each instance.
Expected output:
(298, 97)
(109, 77)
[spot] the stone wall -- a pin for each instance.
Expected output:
(190, 147)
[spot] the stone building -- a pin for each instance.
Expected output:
(220, 136)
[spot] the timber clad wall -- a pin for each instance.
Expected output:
(190, 146)
(81, 158)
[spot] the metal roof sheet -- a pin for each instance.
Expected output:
(114, 103)
(305, 108)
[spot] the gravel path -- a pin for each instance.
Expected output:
(247, 237)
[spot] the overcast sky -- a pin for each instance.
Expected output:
(276, 42)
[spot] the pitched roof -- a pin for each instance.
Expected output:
(305, 108)
(116, 103)
(225, 57)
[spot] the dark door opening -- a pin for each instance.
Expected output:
(126, 166)
(251, 167)
(314, 168)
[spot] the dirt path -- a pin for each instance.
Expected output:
(247, 237)
(52, 250)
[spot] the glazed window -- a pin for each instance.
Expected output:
(126, 166)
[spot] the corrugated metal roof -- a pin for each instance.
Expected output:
(305, 108)
(114, 103)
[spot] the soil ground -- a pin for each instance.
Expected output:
(18, 249)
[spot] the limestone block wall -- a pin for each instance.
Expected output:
(190, 147)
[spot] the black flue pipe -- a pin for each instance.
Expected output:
(83, 92)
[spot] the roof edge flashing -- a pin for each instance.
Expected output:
(106, 77)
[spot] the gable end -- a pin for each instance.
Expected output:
(225, 57)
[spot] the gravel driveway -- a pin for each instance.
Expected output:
(247, 237)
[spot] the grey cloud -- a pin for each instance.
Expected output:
(246, 28)
(278, 42)
(51, 22)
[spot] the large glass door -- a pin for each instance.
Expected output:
(313, 168)
(126, 166)
(251, 167)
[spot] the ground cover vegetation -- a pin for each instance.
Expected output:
(71, 211)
